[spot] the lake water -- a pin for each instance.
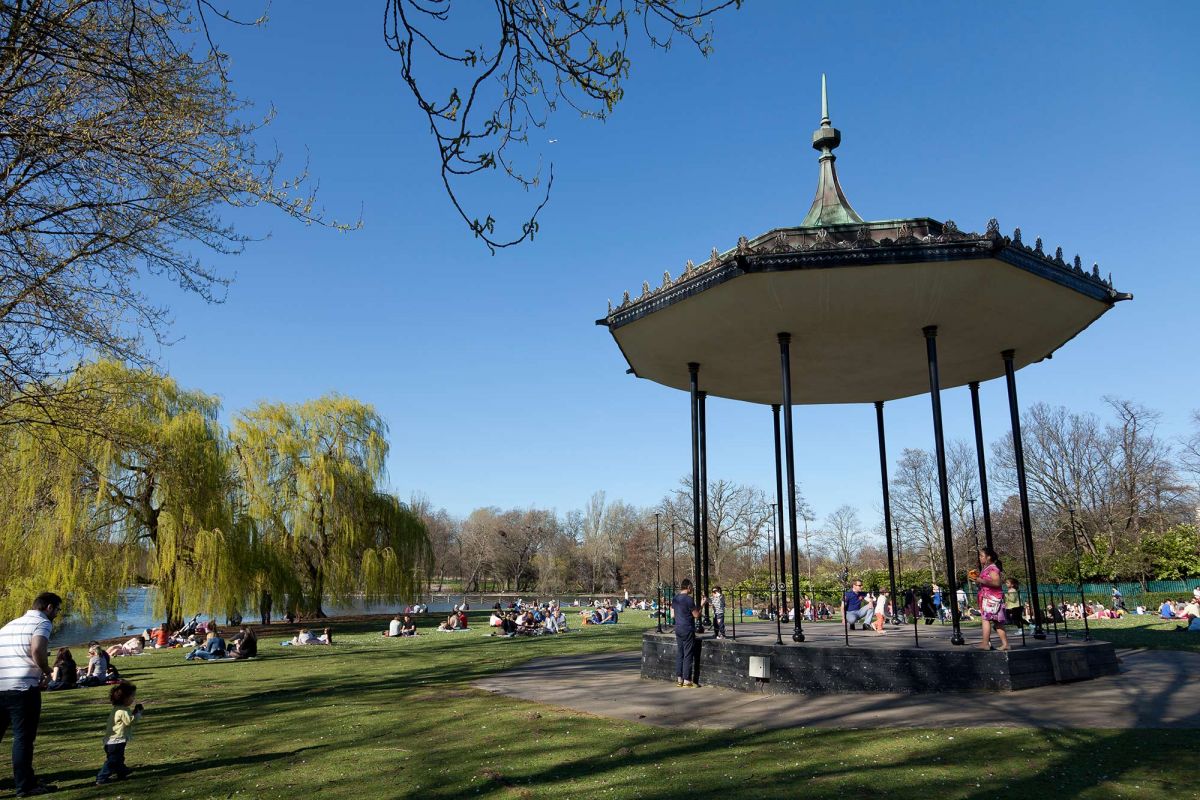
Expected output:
(135, 613)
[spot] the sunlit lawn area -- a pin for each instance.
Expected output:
(379, 718)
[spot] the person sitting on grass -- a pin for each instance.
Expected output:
(408, 626)
(245, 644)
(497, 618)
(213, 648)
(160, 638)
(118, 732)
(607, 616)
(1166, 610)
(96, 672)
(507, 626)
(393, 627)
(64, 674)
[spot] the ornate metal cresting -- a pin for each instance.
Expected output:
(901, 240)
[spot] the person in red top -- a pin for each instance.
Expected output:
(161, 638)
(991, 598)
(462, 619)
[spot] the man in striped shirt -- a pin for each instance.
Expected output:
(24, 670)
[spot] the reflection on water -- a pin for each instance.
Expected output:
(135, 613)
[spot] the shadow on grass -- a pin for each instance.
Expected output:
(174, 771)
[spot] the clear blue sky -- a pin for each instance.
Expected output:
(1077, 122)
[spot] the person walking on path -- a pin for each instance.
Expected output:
(991, 598)
(24, 670)
(686, 613)
(718, 611)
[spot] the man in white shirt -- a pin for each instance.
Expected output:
(24, 669)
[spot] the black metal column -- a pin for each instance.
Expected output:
(887, 506)
(694, 372)
(658, 572)
(935, 394)
(983, 490)
(1010, 377)
(780, 550)
(703, 590)
(789, 451)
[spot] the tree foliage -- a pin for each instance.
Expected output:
(146, 486)
(121, 142)
(138, 488)
(311, 475)
(540, 53)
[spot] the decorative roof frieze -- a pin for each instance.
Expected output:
(826, 246)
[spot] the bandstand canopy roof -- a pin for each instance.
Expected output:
(855, 297)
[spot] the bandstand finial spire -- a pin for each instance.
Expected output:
(824, 101)
(830, 206)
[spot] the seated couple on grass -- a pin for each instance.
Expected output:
(306, 637)
(401, 626)
(604, 615)
(98, 671)
(456, 621)
(243, 645)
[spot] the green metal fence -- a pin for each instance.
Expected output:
(1127, 588)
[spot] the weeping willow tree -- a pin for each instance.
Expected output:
(311, 475)
(138, 487)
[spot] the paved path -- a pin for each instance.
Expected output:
(1156, 689)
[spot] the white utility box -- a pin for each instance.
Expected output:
(760, 667)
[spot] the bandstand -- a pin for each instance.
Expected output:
(840, 310)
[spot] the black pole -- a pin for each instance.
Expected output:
(658, 572)
(771, 558)
(887, 505)
(983, 488)
(1087, 631)
(916, 613)
(1014, 413)
(780, 549)
(672, 558)
(789, 451)
(975, 539)
(707, 592)
(935, 395)
(694, 372)
(738, 602)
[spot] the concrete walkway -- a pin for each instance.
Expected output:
(1156, 689)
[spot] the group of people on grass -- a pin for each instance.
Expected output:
(531, 619)
(1187, 613)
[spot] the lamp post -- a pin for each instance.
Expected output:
(1087, 632)
(658, 573)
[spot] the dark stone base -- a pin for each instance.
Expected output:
(827, 666)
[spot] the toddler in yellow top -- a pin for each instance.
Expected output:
(118, 732)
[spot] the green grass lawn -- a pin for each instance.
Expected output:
(379, 718)
(1138, 631)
